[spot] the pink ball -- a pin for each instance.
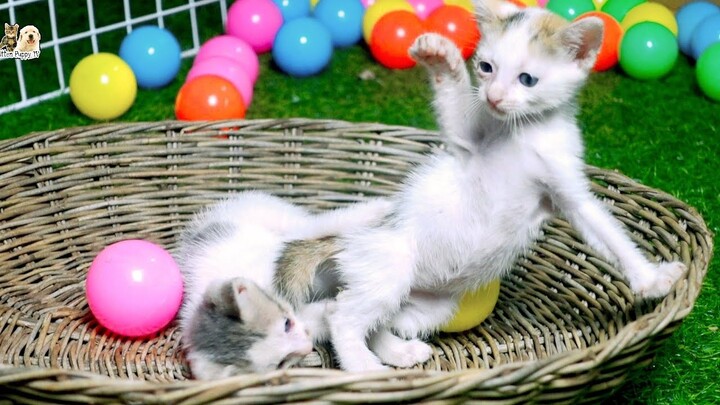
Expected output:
(367, 3)
(255, 22)
(229, 70)
(423, 8)
(232, 48)
(542, 3)
(134, 288)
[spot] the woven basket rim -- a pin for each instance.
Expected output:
(672, 309)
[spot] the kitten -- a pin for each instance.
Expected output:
(240, 327)
(514, 158)
(246, 238)
(9, 40)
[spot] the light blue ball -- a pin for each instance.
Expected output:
(302, 47)
(705, 34)
(688, 17)
(343, 18)
(153, 54)
(292, 9)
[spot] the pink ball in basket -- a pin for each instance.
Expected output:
(255, 22)
(134, 288)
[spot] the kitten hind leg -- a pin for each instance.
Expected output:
(399, 352)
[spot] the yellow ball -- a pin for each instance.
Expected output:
(653, 12)
(377, 10)
(102, 86)
(474, 307)
(466, 4)
(599, 4)
(313, 3)
(529, 3)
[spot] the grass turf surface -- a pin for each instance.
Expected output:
(662, 133)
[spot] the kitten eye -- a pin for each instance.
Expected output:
(527, 80)
(288, 325)
(485, 67)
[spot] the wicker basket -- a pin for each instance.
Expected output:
(566, 327)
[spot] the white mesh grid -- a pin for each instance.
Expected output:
(53, 42)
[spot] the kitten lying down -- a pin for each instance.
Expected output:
(377, 277)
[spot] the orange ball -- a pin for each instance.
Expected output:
(457, 24)
(208, 97)
(612, 34)
(392, 37)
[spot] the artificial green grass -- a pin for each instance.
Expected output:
(663, 133)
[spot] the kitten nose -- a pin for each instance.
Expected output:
(494, 101)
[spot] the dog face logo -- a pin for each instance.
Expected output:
(9, 41)
(29, 39)
(20, 43)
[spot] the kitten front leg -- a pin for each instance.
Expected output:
(451, 83)
(607, 235)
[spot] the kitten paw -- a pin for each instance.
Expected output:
(363, 365)
(665, 275)
(404, 353)
(439, 54)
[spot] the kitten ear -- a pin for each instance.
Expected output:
(488, 11)
(222, 297)
(7, 26)
(582, 39)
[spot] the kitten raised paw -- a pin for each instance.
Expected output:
(665, 276)
(439, 54)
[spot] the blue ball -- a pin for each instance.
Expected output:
(153, 54)
(343, 18)
(302, 47)
(292, 9)
(688, 17)
(705, 34)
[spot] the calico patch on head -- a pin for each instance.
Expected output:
(531, 61)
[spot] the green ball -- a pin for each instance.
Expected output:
(570, 9)
(648, 51)
(707, 71)
(618, 8)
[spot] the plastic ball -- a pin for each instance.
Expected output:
(232, 48)
(229, 70)
(570, 9)
(543, 3)
(303, 47)
(292, 9)
(688, 17)
(392, 37)
(705, 34)
(134, 288)
(423, 8)
(619, 8)
(599, 4)
(377, 10)
(648, 51)
(367, 3)
(208, 98)
(255, 22)
(466, 4)
(474, 308)
(654, 12)
(102, 86)
(343, 19)
(529, 3)
(706, 70)
(612, 33)
(153, 54)
(457, 24)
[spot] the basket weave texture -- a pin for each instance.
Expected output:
(566, 327)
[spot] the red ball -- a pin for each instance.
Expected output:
(208, 97)
(612, 34)
(457, 24)
(392, 37)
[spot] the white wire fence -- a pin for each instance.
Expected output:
(72, 29)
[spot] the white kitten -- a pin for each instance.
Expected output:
(515, 157)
